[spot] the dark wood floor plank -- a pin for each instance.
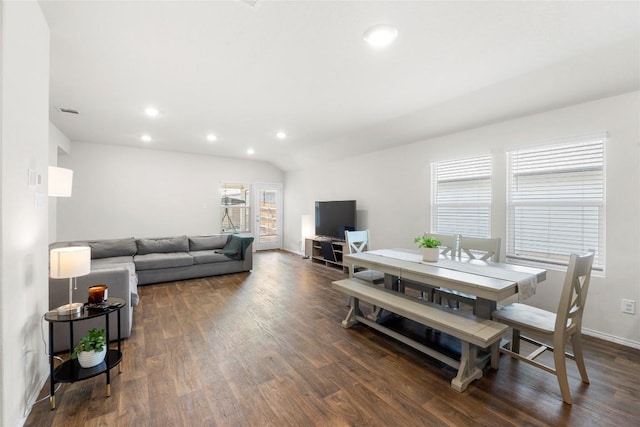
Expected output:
(266, 348)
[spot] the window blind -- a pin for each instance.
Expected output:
(461, 196)
(555, 202)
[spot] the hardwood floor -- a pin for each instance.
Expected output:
(266, 349)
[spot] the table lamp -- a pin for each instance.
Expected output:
(70, 262)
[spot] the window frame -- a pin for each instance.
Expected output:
(457, 171)
(591, 180)
(231, 207)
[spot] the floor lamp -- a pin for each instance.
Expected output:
(68, 263)
(307, 229)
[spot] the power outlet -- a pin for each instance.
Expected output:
(628, 306)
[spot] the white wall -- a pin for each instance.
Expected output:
(24, 257)
(58, 143)
(121, 192)
(392, 189)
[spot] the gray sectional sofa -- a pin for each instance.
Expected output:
(123, 264)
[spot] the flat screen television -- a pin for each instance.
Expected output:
(334, 217)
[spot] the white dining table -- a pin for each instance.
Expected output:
(490, 282)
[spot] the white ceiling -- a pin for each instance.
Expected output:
(244, 72)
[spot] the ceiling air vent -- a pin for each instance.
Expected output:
(67, 110)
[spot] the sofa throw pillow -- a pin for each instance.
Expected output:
(172, 244)
(207, 243)
(113, 248)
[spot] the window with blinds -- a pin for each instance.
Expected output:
(461, 196)
(555, 202)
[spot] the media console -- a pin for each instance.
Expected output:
(327, 251)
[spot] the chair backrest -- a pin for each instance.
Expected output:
(357, 241)
(448, 243)
(479, 248)
(574, 293)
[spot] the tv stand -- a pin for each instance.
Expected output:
(326, 250)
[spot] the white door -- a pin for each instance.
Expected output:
(268, 214)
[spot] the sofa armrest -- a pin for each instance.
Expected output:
(119, 284)
(247, 259)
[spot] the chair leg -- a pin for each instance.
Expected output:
(560, 361)
(515, 341)
(576, 344)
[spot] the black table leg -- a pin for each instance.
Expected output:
(52, 397)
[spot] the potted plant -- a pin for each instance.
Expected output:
(430, 247)
(91, 349)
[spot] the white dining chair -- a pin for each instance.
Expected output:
(448, 243)
(472, 248)
(556, 328)
(356, 242)
(480, 248)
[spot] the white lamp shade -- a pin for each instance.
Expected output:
(72, 261)
(60, 181)
(307, 228)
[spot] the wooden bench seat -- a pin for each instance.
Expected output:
(473, 332)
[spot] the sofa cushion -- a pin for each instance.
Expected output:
(113, 248)
(116, 261)
(164, 245)
(208, 257)
(162, 260)
(205, 243)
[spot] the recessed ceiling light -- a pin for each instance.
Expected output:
(281, 135)
(151, 112)
(381, 35)
(211, 137)
(250, 151)
(146, 138)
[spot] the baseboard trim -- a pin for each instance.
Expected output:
(611, 338)
(32, 400)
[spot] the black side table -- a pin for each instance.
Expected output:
(70, 370)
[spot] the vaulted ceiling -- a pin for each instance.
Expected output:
(244, 70)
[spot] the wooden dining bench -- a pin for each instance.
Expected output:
(474, 333)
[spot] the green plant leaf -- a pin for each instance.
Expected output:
(426, 242)
(95, 339)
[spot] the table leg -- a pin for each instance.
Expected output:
(354, 311)
(468, 370)
(108, 371)
(52, 397)
(119, 342)
(391, 282)
(485, 307)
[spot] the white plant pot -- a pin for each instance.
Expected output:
(430, 254)
(89, 359)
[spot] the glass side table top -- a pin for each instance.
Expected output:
(88, 311)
